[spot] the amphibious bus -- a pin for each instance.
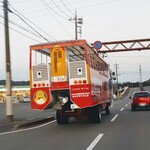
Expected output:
(70, 77)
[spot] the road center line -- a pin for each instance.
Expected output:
(121, 109)
(92, 145)
(126, 105)
(114, 118)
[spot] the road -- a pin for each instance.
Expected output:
(121, 130)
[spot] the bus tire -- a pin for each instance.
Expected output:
(95, 114)
(61, 119)
(107, 110)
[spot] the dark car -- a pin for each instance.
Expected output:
(140, 99)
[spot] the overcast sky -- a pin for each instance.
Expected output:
(104, 20)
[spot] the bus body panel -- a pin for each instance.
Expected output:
(40, 98)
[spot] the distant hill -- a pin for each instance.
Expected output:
(23, 83)
(136, 84)
(146, 83)
(15, 83)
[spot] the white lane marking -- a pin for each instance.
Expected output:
(121, 109)
(30, 118)
(126, 105)
(21, 130)
(95, 141)
(114, 118)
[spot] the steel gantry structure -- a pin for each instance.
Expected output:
(123, 46)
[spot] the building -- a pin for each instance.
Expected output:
(18, 93)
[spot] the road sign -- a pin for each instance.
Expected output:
(97, 45)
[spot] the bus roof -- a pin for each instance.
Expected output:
(67, 43)
(61, 43)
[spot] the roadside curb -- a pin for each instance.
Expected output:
(33, 122)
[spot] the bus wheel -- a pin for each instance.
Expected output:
(95, 114)
(107, 110)
(61, 119)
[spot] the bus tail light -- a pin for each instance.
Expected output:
(43, 84)
(75, 82)
(84, 81)
(34, 85)
(39, 84)
(80, 81)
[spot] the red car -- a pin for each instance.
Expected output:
(140, 99)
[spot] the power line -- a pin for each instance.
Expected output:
(28, 9)
(97, 4)
(47, 7)
(67, 7)
(60, 9)
(23, 28)
(72, 3)
(22, 33)
(33, 33)
(31, 26)
(131, 56)
(32, 5)
(53, 10)
(36, 25)
(20, 2)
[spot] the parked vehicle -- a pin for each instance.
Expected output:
(70, 77)
(25, 99)
(140, 99)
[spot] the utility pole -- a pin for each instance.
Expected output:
(9, 108)
(78, 23)
(140, 77)
(117, 67)
(76, 26)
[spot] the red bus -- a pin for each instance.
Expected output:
(70, 77)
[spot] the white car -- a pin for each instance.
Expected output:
(26, 99)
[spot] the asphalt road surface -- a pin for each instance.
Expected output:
(121, 130)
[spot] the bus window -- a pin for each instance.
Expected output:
(59, 54)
